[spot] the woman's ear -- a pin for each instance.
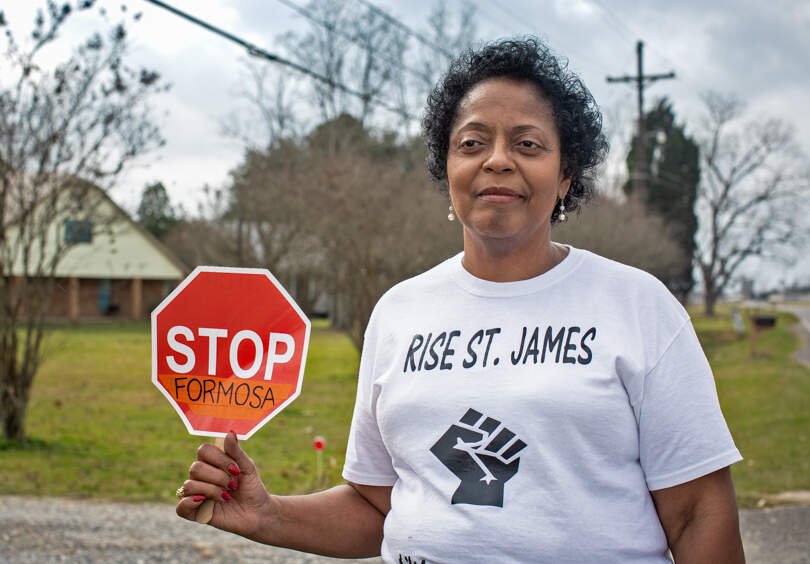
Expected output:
(564, 181)
(565, 185)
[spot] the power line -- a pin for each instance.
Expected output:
(616, 23)
(619, 25)
(258, 52)
(522, 21)
(580, 57)
(413, 33)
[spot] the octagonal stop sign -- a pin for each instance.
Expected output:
(228, 350)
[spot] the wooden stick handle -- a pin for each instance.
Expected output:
(206, 510)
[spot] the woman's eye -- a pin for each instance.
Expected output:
(529, 144)
(469, 143)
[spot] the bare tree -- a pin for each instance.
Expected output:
(270, 205)
(379, 220)
(355, 48)
(209, 224)
(446, 35)
(752, 195)
(380, 59)
(363, 55)
(618, 127)
(268, 112)
(62, 132)
(325, 49)
(184, 241)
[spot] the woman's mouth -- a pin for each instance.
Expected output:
(499, 194)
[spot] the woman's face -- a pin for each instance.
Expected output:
(503, 164)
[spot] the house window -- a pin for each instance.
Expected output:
(78, 231)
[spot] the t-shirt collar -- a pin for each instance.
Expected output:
(487, 288)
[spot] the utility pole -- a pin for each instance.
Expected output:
(640, 174)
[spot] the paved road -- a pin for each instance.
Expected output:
(778, 535)
(46, 530)
(803, 313)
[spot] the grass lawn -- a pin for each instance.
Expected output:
(100, 429)
(766, 401)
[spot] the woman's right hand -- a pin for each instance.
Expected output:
(345, 521)
(229, 478)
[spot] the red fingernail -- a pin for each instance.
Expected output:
(198, 497)
(226, 496)
(234, 436)
(233, 485)
(234, 469)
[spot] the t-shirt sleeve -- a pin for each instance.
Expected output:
(367, 459)
(682, 432)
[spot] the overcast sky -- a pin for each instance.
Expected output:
(756, 49)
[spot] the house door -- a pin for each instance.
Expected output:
(104, 295)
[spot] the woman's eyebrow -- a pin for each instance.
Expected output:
(471, 125)
(525, 128)
(515, 129)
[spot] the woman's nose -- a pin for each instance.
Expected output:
(500, 159)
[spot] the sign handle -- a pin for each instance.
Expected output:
(206, 510)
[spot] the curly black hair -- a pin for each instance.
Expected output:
(577, 117)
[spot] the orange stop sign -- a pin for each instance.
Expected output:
(228, 350)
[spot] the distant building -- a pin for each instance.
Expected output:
(111, 266)
(747, 288)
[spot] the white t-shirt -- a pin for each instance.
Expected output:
(527, 421)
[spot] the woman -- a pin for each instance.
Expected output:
(523, 401)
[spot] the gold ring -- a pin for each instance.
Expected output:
(180, 494)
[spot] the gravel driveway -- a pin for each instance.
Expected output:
(43, 530)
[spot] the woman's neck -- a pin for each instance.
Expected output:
(509, 263)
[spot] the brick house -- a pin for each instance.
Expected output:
(112, 266)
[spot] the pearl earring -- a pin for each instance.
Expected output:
(561, 216)
(451, 216)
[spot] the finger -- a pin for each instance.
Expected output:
(196, 488)
(211, 454)
(187, 507)
(489, 425)
(204, 472)
(500, 440)
(516, 447)
(243, 461)
(471, 417)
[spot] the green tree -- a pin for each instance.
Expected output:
(155, 211)
(673, 174)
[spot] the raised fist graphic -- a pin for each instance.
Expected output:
(483, 454)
